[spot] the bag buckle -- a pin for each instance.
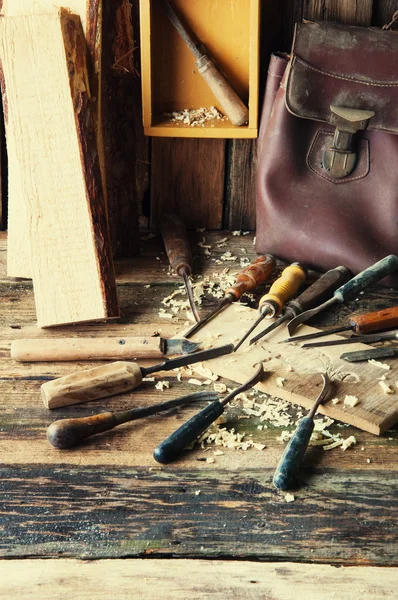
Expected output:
(340, 159)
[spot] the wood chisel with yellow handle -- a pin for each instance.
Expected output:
(251, 277)
(108, 348)
(282, 290)
(114, 378)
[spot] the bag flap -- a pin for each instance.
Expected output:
(353, 67)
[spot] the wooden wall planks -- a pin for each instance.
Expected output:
(349, 12)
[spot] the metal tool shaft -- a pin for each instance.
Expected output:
(357, 339)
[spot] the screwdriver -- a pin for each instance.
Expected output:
(365, 323)
(66, 433)
(251, 277)
(172, 446)
(281, 291)
(289, 464)
(372, 274)
(318, 292)
(114, 378)
(369, 338)
(179, 253)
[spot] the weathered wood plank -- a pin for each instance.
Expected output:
(349, 12)
(175, 579)
(214, 513)
(383, 11)
(187, 178)
(240, 206)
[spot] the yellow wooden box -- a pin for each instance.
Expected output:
(229, 29)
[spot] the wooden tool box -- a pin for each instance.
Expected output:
(85, 521)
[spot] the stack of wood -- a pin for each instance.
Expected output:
(58, 229)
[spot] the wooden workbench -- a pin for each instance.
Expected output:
(204, 526)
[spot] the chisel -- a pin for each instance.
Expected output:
(179, 253)
(291, 459)
(372, 354)
(366, 323)
(318, 292)
(370, 338)
(251, 277)
(349, 290)
(280, 292)
(172, 446)
(114, 378)
(229, 101)
(68, 349)
(66, 433)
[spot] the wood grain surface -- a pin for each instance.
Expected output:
(199, 579)
(109, 498)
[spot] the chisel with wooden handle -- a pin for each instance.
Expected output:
(179, 253)
(229, 101)
(349, 290)
(251, 277)
(69, 349)
(318, 292)
(114, 378)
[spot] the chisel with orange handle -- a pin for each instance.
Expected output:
(282, 290)
(372, 322)
(251, 277)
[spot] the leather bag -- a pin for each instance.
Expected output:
(327, 187)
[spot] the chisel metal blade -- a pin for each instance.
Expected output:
(373, 353)
(369, 338)
(180, 346)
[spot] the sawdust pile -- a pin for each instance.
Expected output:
(195, 117)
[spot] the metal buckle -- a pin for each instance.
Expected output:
(340, 159)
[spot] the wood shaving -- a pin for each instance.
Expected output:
(237, 232)
(350, 441)
(335, 400)
(203, 245)
(379, 364)
(220, 388)
(289, 497)
(205, 372)
(368, 460)
(195, 382)
(210, 459)
(218, 453)
(386, 388)
(280, 381)
(162, 385)
(228, 256)
(351, 401)
(195, 117)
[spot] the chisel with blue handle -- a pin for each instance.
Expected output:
(349, 290)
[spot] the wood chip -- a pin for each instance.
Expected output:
(386, 388)
(379, 364)
(162, 385)
(351, 401)
(289, 497)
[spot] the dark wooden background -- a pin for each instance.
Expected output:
(210, 183)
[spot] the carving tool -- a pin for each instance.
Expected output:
(370, 338)
(318, 292)
(179, 253)
(251, 277)
(48, 349)
(349, 290)
(66, 433)
(114, 378)
(372, 354)
(291, 459)
(172, 446)
(229, 101)
(280, 292)
(365, 323)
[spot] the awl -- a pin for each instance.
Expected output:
(377, 320)
(370, 338)
(108, 348)
(66, 433)
(114, 378)
(280, 292)
(349, 290)
(251, 277)
(173, 445)
(229, 101)
(179, 253)
(318, 292)
(291, 459)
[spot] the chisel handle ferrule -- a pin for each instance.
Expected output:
(283, 289)
(252, 276)
(291, 459)
(372, 274)
(171, 447)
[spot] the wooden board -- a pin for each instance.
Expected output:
(18, 258)
(175, 579)
(47, 99)
(300, 368)
(187, 178)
